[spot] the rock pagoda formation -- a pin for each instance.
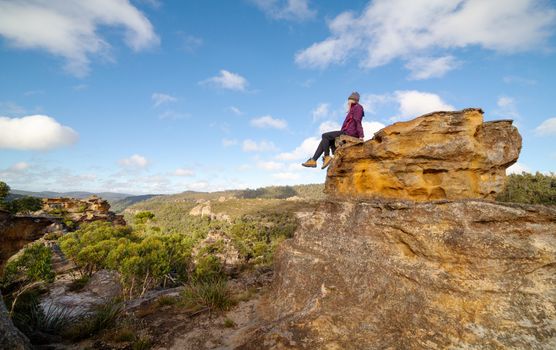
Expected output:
(426, 264)
(441, 155)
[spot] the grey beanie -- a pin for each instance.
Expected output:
(354, 96)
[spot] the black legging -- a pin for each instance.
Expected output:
(327, 143)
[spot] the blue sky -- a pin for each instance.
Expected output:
(165, 96)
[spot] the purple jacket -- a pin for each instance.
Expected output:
(352, 125)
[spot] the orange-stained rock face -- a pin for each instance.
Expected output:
(441, 155)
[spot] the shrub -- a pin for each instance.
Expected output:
(144, 262)
(34, 264)
(208, 268)
(212, 294)
(229, 323)
(102, 317)
(529, 188)
(30, 318)
(23, 205)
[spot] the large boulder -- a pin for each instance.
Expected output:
(441, 155)
(463, 274)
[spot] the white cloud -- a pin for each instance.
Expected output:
(506, 107)
(35, 132)
(227, 80)
(321, 111)
(183, 172)
(18, 167)
(547, 127)
(270, 165)
(268, 122)
(190, 43)
(70, 29)
(235, 110)
(427, 67)
(402, 29)
(369, 128)
(517, 168)
(415, 103)
(160, 98)
(370, 102)
(262, 146)
(135, 161)
(286, 176)
(229, 142)
(329, 126)
(303, 151)
(295, 10)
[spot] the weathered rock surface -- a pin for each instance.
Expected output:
(101, 288)
(442, 155)
(83, 210)
(18, 231)
(409, 275)
(10, 337)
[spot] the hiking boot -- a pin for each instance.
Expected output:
(326, 161)
(310, 163)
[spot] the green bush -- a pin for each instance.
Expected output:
(24, 205)
(212, 294)
(529, 188)
(256, 237)
(30, 318)
(34, 264)
(144, 262)
(102, 317)
(208, 268)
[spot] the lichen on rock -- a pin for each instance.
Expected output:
(390, 274)
(441, 155)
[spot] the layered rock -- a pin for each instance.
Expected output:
(410, 275)
(18, 231)
(82, 210)
(442, 155)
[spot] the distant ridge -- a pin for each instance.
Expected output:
(109, 196)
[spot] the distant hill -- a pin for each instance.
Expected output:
(120, 205)
(118, 201)
(109, 196)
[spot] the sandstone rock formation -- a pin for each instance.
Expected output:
(204, 208)
(410, 275)
(83, 210)
(10, 337)
(442, 155)
(18, 231)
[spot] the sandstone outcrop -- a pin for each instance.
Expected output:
(10, 337)
(83, 210)
(410, 275)
(18, 231)
(441, 155)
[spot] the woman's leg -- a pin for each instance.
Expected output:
(327, 141)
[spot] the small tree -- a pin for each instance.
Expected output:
(4, 190)
(24, 205)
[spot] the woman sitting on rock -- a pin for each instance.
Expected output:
(352, 127)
